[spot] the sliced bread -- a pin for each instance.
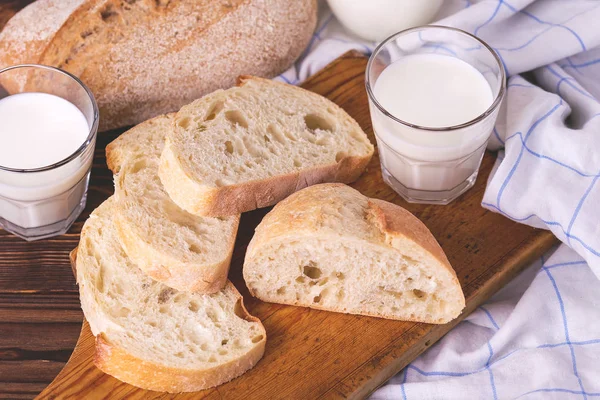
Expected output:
(253, 145)
(329, 247)
(184, 251)
(152, 336)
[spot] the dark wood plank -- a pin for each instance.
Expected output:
(317, 354)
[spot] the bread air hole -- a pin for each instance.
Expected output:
(195, 249)
(108, 13)
(315, 122)
(340, 156)
(281, 290)
(300, 279)
(224, 342)
(184, 122)
(317, 299)
(276, 133)
(236, 118)
(419, 294)
(165, 295)
(123, 312)
(193, 306)
(311, 271)
(223, 352)
(214, 110)
(297, 163)
(257, 339)
(339, 275)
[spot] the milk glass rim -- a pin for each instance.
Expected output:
(93, 128)
(495, 104)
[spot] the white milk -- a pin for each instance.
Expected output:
(377, 19)
(432, 91)
(38, 130)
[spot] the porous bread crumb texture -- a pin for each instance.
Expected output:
(182, 250)
(329, 247)
(151, 321)
(142, 58)
(260, 130)
(341, 274)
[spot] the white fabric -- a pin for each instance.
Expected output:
(538, 338)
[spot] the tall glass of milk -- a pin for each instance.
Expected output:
(48, 126)
(434, 95)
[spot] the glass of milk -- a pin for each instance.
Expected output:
(434, 95)
(48, 126)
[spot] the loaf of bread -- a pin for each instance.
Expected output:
(329, 247)
(181, 250)
(152, 336)
(142, 58)
(253, 145)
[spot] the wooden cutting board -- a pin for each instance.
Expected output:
(317, 354)
(309, 354)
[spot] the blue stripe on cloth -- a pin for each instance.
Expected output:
(559, 390)
(568, 80)
(566, 328)
(529, 132)
(541, 156)
(498, 135)
(318, 32)
(489, 314)
(538, 20)
(585, 64)
(566, 264)
(487, 366)
(582, 343)
(404, 381)
(579, 205)
(490, 19)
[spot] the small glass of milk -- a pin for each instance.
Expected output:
(48, 126)
(434, 95)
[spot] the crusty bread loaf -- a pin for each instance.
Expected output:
(152, 336)
(181, 250)
(253, 145)
(142, 58)
(329, 247)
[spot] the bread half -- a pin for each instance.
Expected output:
(152, 336)
(253, 145)
(331, 248)
(182, 250)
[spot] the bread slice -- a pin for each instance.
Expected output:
(184, 251)
(142, 58)
(152, 336)
(253, 145)
(329, 247)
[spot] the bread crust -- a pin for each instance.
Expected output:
(391, 222)
(132, 77)
(205, 200)
(145, 374)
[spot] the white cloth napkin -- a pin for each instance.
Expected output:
(539, 337)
